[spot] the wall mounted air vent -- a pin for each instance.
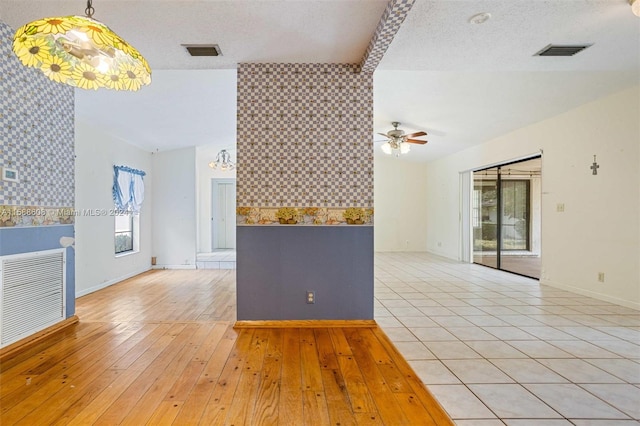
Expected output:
(562, 50)
(203, 49)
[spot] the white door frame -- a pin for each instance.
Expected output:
(466, 237)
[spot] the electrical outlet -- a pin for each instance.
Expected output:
(311, 297)
(560, 207)
(601, 277)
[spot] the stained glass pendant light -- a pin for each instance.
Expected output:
(81, 52)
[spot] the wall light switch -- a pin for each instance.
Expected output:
(560, 207)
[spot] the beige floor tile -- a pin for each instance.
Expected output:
(399, 334)
(414, 351)
(485, 321)
(471, 333)
(625, 398)
(582, 349)
(547, 333)
(509, 333)
(528, 371)
(624, 369)
(460, 403)
(476, 371)
(585, 333)
(574, 402)
(620, 347)
(538, 349)
(405, 311)
(536, 422)
(451, 350)
(591, 422)
(451, 321)
(495, 349)
(425, 334)
(479, 422)
(433, 372)
(419, 321)
(513, 401)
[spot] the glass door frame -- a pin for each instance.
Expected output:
(499, 200)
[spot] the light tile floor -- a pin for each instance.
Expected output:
(500, 349)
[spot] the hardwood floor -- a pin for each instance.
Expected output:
(160, 349)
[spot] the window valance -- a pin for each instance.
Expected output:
(128, 188)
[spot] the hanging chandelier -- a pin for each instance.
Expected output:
(81, 52)
(223, 161)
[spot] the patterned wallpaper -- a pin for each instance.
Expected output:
(388, 26)
(36, 140)
(304, 136)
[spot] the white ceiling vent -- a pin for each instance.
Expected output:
(203, 49)
(562, 50)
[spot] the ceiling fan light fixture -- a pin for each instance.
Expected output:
(386, 148)
(635, 7)
(81, 52)
(405, 148)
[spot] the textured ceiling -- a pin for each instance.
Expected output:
(463, 83)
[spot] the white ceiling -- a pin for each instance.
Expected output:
(463, 83)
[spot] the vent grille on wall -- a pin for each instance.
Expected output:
(32, 293)
(562, 50)
(203, 49)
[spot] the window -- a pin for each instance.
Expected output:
(124, 232)
(128, 194)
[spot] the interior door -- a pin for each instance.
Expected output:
(223, 220)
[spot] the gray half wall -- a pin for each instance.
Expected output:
(276, 265)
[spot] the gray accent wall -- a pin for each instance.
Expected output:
(276, 265)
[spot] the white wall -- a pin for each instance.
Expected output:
(400, 209)
(204, 155)
(174, 208)
(96, 264)
(599, 230)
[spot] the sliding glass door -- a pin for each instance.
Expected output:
(485, 217)
(506, 217)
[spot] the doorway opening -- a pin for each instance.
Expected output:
(223, 214)
(505, 217)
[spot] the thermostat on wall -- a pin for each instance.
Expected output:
(9, 174)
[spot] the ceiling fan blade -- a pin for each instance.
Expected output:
(416, 141)
(416, 134)
(383, 134)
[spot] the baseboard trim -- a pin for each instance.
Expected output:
(174, 267)
(305, 324)
(606, 298)
(30, 341)
(110, 282)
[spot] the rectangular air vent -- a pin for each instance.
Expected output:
(203, 49)
(32, 293)
(562, 50)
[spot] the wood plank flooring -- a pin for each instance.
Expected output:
(160, 349)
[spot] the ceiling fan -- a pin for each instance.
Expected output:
(398, 141)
